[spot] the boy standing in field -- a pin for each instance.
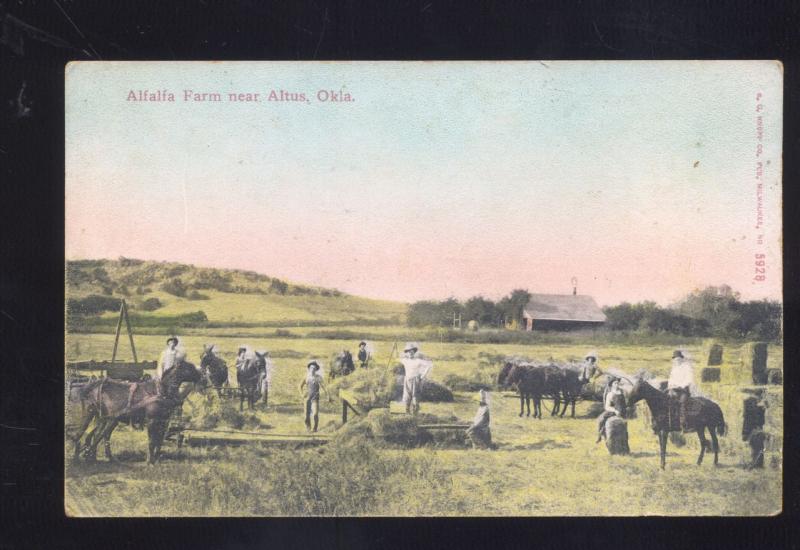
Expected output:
(363, 356)
(312, 384)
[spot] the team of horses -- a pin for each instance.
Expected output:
(110, 402)
(533, 381)
(566, 383)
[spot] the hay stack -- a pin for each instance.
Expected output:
(710, 374)
(617, 436)
(431, 391)
(754, 356)
(715, 355)
(775, 376)
(376, 388)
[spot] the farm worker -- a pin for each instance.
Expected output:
(613, 405)
(417, 368)
(347, 364)
(681, 382)
(265, 380)
(312, 384)
(363, 356)
(479, 432)
(241, 358)
(167, 359)
(590, 366)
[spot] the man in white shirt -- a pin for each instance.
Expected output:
(681, 382)
(167, 359)
(417, 368)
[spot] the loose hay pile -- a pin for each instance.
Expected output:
(376, 388)
(382, 429)
(206, 412)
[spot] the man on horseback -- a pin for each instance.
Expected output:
(681, 383)
(613, 405)
(167, 359)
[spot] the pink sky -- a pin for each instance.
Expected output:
(441, 179)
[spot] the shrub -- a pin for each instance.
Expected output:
(151, 304)
(174, 287)
(92, 305)
(194, 295)
(278, 287)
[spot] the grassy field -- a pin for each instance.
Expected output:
(542, 467)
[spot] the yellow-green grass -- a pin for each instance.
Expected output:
(542, 467)
(224, 307)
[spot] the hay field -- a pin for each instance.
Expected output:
(542, 467)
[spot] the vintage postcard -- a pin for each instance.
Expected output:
(541, 288)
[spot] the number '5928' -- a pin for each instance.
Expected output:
(760, 267)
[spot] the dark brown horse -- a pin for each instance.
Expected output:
(573, 377)
(701, 413)
(249, 376)
(109, 402)
(214, 368)
(532, 381)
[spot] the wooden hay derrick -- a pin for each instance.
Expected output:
(349, 401)
(120, 370)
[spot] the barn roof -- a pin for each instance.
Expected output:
(563, 307)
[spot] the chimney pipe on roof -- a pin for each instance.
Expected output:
(574, 286)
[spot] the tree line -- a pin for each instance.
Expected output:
(714, 311)
(486, 312)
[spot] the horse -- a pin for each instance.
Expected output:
(111, 401)
(701, 414)
(530, 380)
(342, 364)
(572, 380)
(249, 376)
(214, 368)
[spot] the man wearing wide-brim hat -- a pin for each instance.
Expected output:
(479, 432)
(167, 359)
(310, 388)
(417, 368)
(363, 354)
(681, 382)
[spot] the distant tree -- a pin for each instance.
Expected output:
(278, 287)
(481, 310)
(175, 286)
(627, 316)
(717, 305)
(758, 320)
(194, 295)
(512, 305)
